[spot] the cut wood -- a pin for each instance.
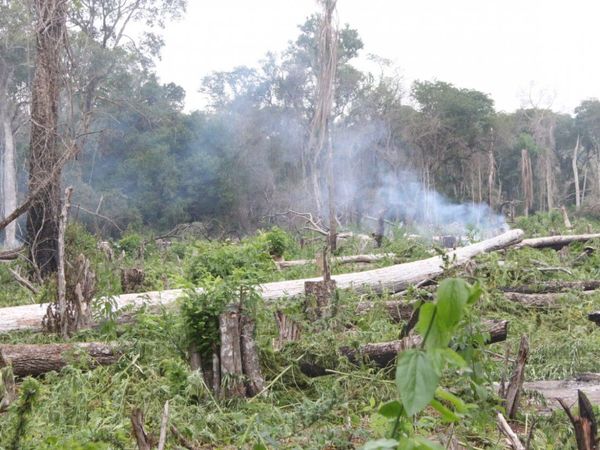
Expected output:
(33, 359)
(555, 286)
(513, 392)
(255, 381)
(585, 425)
(552, 390)
(511, 437)
(539, 300)
(231, 355)
(398, 310)
(594, 317)
(352, 259)
(382, 354)
(556, 242)
(392, 279)
(289, 330)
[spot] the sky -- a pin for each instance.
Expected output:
(520, 52)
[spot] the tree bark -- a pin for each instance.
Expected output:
(352, 259)
(255, 382)
(34, 359)
(515, 385)
(388, 279)
(9, 171)
(42, 222)
(231, 355)
(576, 175)
(585, 425)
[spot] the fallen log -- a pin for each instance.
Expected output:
(397, 310)
(555, 287)
(553, 390)
(34, 359)
(392, 279)
(539, 300)
(382, 354)
(352, 259)
(595, 317)
(556, 242)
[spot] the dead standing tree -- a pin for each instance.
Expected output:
(45, 155)
(320, 129)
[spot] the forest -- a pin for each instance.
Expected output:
(321, 257)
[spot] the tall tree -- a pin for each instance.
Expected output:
(45, 146)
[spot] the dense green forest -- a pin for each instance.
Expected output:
(322, 257)
(144, 162)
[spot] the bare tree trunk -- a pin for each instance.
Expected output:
(9, 174)
(526, 181)
(576, 176)
(61, 286)
(492, 173)
(42, 224)
(231, 355)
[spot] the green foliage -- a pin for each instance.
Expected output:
(27, 400)
(130, 243)
(418, 371)
(278, 241)
(249, 260)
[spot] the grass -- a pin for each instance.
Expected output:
(89, 409)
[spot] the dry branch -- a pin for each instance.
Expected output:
(585, 425)
(391, 279)
(511, 436)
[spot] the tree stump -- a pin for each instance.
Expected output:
(319, 296)
(132, 280)
(289, 330)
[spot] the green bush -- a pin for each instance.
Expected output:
(278, 241)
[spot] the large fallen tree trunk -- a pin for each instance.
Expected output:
(33, 359)
(552, 390)
(556, 242)
(555, 287)
(382, 354)
(393, 279)
(352, 259)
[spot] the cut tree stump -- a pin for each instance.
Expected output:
(319, 300)
(515, 385)
(232, 384)
(556, 242)
(132, 279)
(255, 382)
(289, 330)
(585, 425)
(34, 359)
(387, 279)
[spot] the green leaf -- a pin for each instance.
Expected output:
(449, 397)
(417, 379)
(426, 444)
(427, 326)
(446, 413)
(475, 294)
(453, 358)
(391, 410)
(381, 444)
(452, 296)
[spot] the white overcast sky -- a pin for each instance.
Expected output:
(511, 49)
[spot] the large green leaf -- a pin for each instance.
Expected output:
(427, 326)
(452, 296)
(417, 380)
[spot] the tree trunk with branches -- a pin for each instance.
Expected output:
(45, 155)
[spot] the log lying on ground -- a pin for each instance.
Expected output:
(383, 354)
(539, 300)
(556, 242)
(552, 390)
(554, 287)
(353, 259)
(392, 279)
(33, 359)
(37, 359)
(595, 317)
